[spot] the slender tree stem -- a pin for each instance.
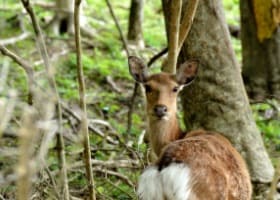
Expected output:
(173, 36)
(187, 21)
(43, 51)
(185, 28)
(84, 121)
(118, 27)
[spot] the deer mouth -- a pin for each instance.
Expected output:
(157, 117)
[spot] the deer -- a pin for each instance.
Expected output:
(198, 165)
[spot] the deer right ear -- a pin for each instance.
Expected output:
(187, 72)
(137, 69)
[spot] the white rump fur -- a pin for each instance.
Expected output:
(172, 183)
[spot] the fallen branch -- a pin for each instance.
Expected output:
(16, 39)
(91, 127)
(134, 164)
(54, 57)
(114, 173)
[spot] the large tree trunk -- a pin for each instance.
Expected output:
(135, 35)
(261, 60)
(217, 99)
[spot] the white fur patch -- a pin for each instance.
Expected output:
(176, 181)
(150, 186)
(171, 183)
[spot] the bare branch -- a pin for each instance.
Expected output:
(84, 121)
(157, 56)
(27, 68)
(118, 27)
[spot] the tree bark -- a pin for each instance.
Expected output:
(261, 60)
(63, 20)
(217, 100)
(135, 33)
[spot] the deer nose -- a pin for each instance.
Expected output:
(160, 110)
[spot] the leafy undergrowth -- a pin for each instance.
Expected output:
(117, 160)
(267, 116)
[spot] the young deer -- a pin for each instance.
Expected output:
(199, 165)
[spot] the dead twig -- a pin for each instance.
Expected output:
(84, 121)
(56, 190)
(113, 85)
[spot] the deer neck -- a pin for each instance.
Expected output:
(162, 132)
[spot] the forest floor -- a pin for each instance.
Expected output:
(118, 156)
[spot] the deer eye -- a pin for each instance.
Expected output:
(175, 89)
(148, 89)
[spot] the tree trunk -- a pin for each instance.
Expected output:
(135, 35)
(217, 99)
(261, 60)
(63, 19)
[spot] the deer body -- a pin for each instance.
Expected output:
(199, 165)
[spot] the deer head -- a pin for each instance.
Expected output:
(162, 89)
(161, 94)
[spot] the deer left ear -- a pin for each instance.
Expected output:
(137, 69)
(187, 72)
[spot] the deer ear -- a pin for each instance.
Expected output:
(137, 69)
(187, 72)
